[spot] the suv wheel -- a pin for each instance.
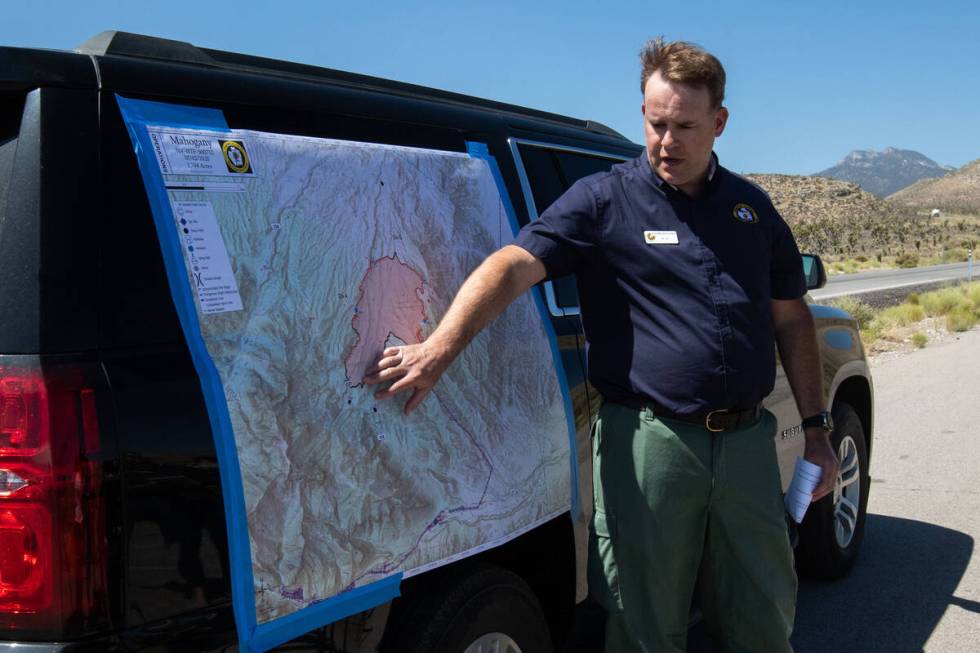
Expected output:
(490, 610)
(831, 532)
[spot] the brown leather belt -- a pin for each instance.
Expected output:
(716, 421)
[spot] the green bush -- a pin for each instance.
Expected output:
(961, 318)
(941, 302)
(871, 332)
(972, 291)
(913, 298)
(901, 315)
(856, 309)
(919, 340)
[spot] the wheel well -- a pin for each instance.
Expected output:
(544, 557)
(856, 392)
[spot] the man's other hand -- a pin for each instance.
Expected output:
(819, 451)
(410, 367)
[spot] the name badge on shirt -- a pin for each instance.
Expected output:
(660, 237)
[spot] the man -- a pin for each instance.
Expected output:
(686, 276)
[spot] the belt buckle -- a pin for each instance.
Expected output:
(707, 421)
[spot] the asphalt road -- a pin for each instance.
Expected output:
(878, 280)
(916, 585)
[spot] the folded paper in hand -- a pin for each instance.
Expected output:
(806, 477)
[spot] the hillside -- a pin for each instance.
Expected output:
(885, 172)
(839, 221)
(957, 192)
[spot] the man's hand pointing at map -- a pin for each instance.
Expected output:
(415, 367)
(486, 293)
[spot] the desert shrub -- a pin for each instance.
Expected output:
(919, 340)
(941, 302)
(972, 291)
(856, 309)
(954, 255)
(961, 318)
(907, 260)
(913, 298)
(871, 332)
(861, 258)
(902, 315)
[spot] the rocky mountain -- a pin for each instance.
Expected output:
(885, 172)
(801, 199)
(957, 192)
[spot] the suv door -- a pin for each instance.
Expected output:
(546, 171)
(175, 533)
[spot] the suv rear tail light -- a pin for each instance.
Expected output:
(52, 522)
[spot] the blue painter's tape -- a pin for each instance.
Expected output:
(831, 312)
(171, 115)
(481, 151)
(137, 114)
(839, 339)
(357, 600)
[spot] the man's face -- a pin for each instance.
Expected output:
(681, 127)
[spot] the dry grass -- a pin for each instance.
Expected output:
(941, 302)
(953, 309)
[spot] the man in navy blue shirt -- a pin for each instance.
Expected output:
(686, 276)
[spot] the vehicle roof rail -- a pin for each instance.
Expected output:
(600, 128)
(127, 44)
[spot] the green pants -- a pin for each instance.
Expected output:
(675, 504)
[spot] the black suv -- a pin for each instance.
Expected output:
(112, 525)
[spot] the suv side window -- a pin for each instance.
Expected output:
(549, 171)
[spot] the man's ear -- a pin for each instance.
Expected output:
(721, 119)
(643, 108)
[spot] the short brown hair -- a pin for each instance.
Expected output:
(683, 63)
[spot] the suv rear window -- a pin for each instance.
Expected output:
(11, 108)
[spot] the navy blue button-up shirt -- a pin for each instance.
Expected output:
(675, 291)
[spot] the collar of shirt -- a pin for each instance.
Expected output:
(662, 185)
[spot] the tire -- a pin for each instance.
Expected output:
(832, 531)
(489, 610)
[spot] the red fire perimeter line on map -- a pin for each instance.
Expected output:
(388, 303)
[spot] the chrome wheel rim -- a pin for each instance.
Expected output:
(493, 643)
(847, 492)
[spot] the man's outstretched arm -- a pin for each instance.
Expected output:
(498, 281)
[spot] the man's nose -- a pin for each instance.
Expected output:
(667, 139)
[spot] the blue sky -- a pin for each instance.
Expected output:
(808, 82)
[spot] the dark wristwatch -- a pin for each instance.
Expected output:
(821, 419)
